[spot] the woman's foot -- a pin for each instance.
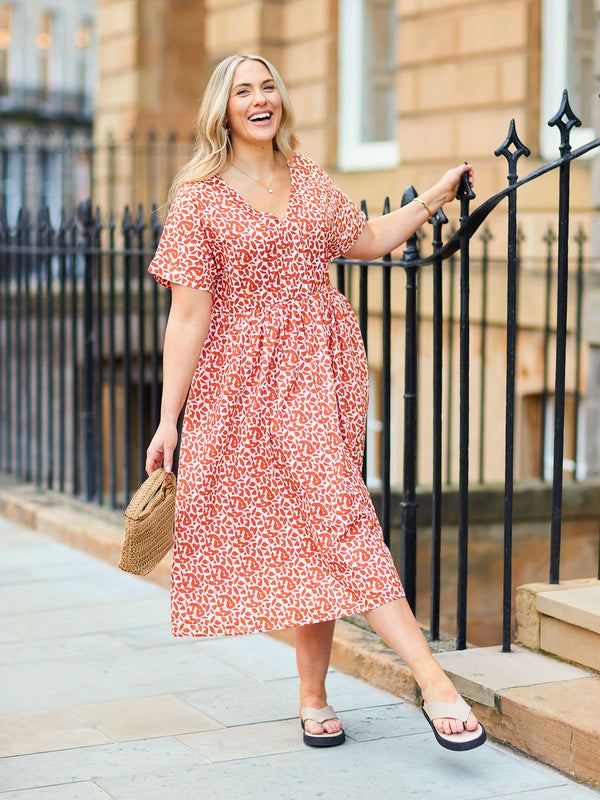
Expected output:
(312, 727)
(440, 689)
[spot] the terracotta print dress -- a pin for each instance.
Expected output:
(274, 525)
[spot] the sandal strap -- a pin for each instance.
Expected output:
(318, 715)
(459, 710)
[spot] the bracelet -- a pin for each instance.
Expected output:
(423, 203)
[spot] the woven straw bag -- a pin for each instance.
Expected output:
(149, 520)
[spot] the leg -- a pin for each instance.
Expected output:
(396, 625)
(313, 650)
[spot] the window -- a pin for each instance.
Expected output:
(43, 42)
(82, 44)
(50, 183)
(366, 85)
(567, 63)
(5, 35)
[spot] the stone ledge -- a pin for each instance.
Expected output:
(527, 614)
(569, 642)
(578, 606)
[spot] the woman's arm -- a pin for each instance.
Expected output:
(386, 233)
(187, 327)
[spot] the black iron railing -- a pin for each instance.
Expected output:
(40, 167)
(80, 340)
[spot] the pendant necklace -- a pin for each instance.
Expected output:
(267, 187)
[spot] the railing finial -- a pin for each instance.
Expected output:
(512, 148)
(571, 120)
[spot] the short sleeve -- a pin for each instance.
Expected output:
(184, 253)
(347, 223)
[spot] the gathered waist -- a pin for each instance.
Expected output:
(270, 301)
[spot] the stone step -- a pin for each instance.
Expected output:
(562, 620)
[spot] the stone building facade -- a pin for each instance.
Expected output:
(390, 93)
(47, 82)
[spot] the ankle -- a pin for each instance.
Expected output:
(313, 699)
(433, 681)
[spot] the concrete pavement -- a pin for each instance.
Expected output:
(98, 701)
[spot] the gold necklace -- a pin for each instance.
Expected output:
(268, 188)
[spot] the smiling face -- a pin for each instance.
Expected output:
(254, 107)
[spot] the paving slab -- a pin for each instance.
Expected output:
(100, 644)
(67, 791)
(253, 701)
(101, 617)
(480, 674)
(146, 718)
(110, 676)
(246, 741)
(40, 731)
(408, 766)
(267, 662)
(124, 759)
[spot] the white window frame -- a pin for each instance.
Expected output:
(555, 46)
(548, 444)
(355, 155)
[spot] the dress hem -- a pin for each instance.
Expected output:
(245, 631)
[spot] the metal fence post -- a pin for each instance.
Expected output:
(86, 223)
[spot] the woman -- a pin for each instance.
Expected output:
(275, 527)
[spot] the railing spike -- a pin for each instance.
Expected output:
(84, 212)
(4, 226)
(565, 119)
(140, 223)
(549, 237)
(126, 225)
(439, 216)
(155, 226)
(486, 234)
(512, 155)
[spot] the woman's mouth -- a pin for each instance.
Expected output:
(263, 116)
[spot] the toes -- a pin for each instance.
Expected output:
(471, 723)
(310, 726)
(449, 726)
(332, 725)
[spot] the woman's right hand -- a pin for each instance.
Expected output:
(161, 448)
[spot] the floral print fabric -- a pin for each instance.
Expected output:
(274, 525)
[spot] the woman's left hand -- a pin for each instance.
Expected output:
(448, 184)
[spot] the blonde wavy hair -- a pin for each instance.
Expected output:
(212, 147)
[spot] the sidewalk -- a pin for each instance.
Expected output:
(99, 702)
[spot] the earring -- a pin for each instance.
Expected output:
(226, 126)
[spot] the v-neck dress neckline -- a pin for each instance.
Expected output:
(238, 197)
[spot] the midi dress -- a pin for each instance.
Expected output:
(274, 525)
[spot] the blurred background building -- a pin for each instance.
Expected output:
(48, 77)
